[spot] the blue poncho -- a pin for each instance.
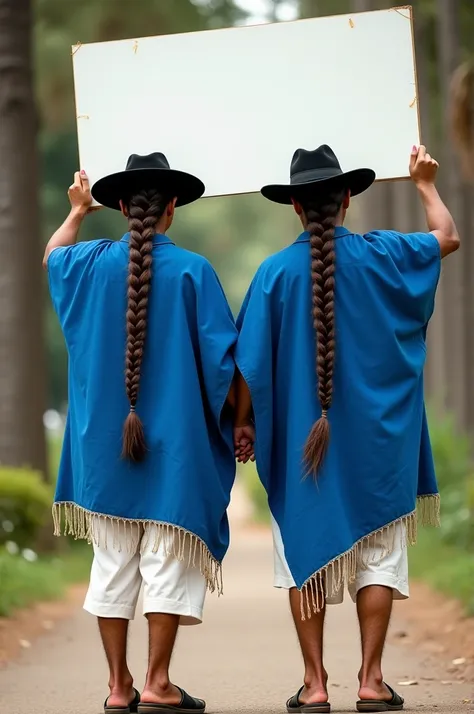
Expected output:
(379, 458)
(186, 478)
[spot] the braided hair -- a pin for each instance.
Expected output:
(321, 213)
(144, 211)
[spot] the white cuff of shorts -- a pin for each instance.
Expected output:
(165, 606)
(399, 586)
(281, 582)
(115, 610)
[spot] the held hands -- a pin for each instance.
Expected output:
(244, 440)
(423, 168)
(79, 194)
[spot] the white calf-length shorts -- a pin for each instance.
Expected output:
(118, 571)
(391, 570)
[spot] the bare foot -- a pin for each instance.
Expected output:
(315, 692)
(377, 691)
(313, 696)
(161, 695)
(120, 696)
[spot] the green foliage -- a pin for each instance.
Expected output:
(24, 580)
(25, 505)
(445, 568)
(256, 493)
(55, 443)
(444, 557)
(455, 474)
(21, 582)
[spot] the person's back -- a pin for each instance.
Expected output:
(147, 464)
(342, 445)
(182, 430)
(378, 344)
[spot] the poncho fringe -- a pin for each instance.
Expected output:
(84, 525)
(342, 569)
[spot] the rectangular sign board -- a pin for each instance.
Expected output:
(231, 106)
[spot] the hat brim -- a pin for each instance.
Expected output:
(112, 189)
(356, 182)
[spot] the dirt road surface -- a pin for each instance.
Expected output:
(244, 658)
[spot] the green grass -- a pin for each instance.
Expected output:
(54, 455)
(445, 568)
(256, 492)
(47, 578)
(24, 581)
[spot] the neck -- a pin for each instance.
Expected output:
(161, 226)
(338, 222)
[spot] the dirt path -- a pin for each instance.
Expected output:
(243, 659)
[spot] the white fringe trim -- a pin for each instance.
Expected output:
(85, 525)
(343, 569)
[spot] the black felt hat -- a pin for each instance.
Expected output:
(143, 173)
(319, 169)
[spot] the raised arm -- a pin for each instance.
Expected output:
(423, 170)
(80, 199)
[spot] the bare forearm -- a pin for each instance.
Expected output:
(439, 219)
(243, 410)
(66, 234)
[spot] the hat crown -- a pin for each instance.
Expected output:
(322, 160)
(318, 171)
(156, 160)
(148, 172)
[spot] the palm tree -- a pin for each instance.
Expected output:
(22, 369)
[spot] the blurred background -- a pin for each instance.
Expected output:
(38, 156)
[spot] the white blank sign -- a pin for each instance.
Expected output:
(231, 106)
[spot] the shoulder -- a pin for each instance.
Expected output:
(195, 272)
(281, 265)
(79, 252)
(400, 245)
(192, 264)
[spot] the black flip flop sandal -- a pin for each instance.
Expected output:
(131, 709)
(187, 705)
(378, 705)
(294, 705)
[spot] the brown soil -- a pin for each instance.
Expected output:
(438, 627)
(18, 632)
(435, 626)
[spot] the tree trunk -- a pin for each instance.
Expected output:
(453, 190)
(22, 373)
(436, 365)
(322, 8)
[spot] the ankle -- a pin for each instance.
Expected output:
(316, 678)
(159, 683)
(371, 677)
(120, 681)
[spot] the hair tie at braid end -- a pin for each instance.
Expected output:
(324, 414)
(132, 409)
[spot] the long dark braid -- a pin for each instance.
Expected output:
(144, 211)
(321, 214)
